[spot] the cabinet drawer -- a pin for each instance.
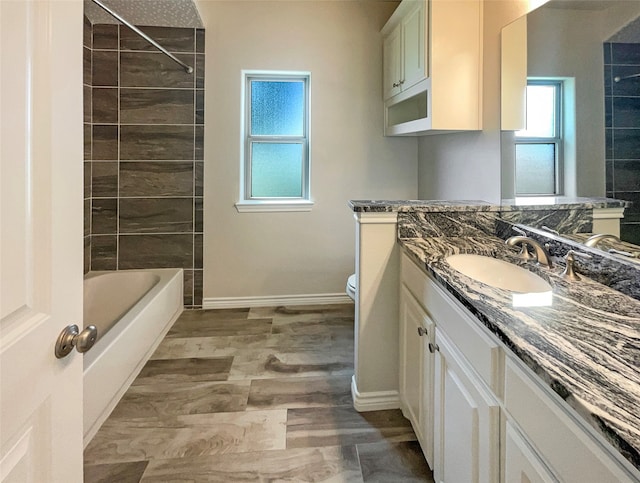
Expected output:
(570, 449)
(473, 341)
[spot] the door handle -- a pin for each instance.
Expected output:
(71, 337)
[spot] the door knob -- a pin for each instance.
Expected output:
(70, 337)
(433, 347)
(422, 331)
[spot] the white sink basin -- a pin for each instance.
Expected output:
(498, 273)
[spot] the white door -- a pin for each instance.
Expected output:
(41, 239)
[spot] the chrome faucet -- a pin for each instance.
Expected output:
(593, 240)
(541, 253)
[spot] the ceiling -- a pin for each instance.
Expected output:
(152, 13)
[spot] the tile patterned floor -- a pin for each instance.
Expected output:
(253, 395)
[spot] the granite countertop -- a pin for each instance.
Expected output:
(519, 204)
(585, 345)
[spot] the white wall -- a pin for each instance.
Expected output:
(271, 254)
(467, 166)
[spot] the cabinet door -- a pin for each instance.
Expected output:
(466, 445)
(416, 369)
(413, 44)
(522, 464)
(392, 63)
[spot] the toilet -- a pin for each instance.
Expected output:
(351, 287)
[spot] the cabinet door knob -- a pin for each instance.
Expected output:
(422, 331)
(402, 82)
(395, 84)
(433, 347)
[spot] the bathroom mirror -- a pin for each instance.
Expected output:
(587, 48)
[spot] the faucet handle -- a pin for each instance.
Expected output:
(569, 272)
(519, 230)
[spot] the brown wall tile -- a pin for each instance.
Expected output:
(199, 71)
(156, 143)
(199, 178)
(87, 142)
(105, 105)
(197, 287)
(104, 216)
(188, 287)
(199, 143)
(104, 252)
(198, 240)
(154, 69)
(155, 251)
(87, 179)
(86, 32)
(105, 36)
(86, 103)
(156, 215)
(173, 39)
(104, 142)
(200, 106)
(156, 106)
(104, 179)
(87, 254)
(149, 178)
(87, 217)
(104, 68)
(198, 222)
(200, 41)
(86, 66)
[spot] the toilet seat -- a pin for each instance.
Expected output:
(351, 287)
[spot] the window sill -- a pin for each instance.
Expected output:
(273, 206)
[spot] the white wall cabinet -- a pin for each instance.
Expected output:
(432, 67)
(482, 414)
(403, 52)
(416, 369)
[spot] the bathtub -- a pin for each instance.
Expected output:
(132, 310)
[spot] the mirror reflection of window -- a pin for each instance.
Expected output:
(538, 148)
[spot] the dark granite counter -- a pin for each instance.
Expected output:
(585, 343)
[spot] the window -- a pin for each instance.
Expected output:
(275, 144)
(538, 155)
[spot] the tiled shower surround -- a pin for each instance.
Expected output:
(144, 128)
(622, 108)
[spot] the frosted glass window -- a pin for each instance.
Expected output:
(535, 169)
(276, 134)
(277, 108)
(276, 170)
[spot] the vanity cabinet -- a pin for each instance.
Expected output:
(416, 369)
(480, 414)
(432, 67)
(467, 420)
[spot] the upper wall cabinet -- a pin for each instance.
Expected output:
(432, 58)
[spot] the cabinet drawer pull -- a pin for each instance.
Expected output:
(395, 84)
(422, 331)
(433, 347)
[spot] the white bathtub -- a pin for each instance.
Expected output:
(133, 310)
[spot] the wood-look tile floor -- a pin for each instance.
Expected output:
(253, 395)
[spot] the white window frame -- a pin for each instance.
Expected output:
(556, 139)
(247, 203)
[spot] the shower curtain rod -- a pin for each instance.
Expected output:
(186, 67)
(618, 78)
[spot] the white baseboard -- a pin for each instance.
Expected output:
(275, 300)
(374, 400)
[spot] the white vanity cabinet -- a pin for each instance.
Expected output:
(467, 420)
(432, 67)
(416, 369)
(480, 414)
